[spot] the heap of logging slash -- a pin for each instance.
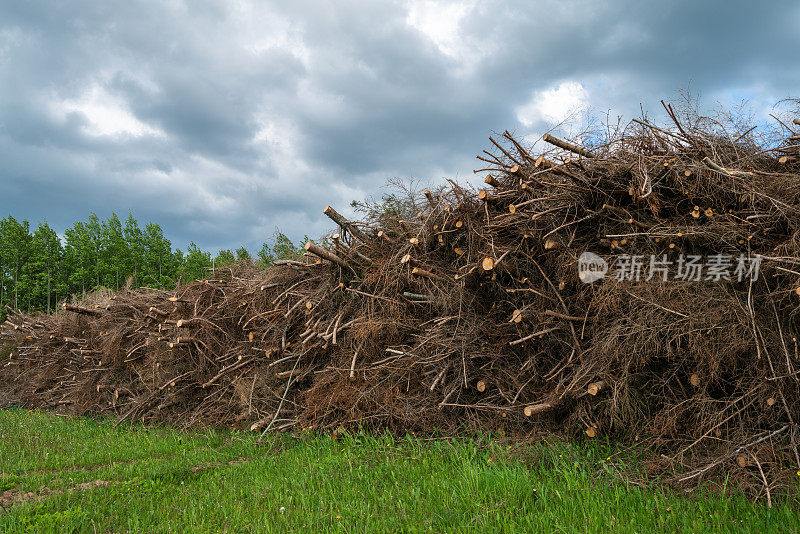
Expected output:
(469, 314)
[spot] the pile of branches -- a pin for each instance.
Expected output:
(466, 311)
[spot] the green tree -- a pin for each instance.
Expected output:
(5, 280)
(243, 255)
(159, 269)
(45, 266)
(282, 248)
(115, 256)
(224, 258)
(134, 241)
(79, 258)
(195, 263)
(94, 245)
(15, 240)
(38, 269)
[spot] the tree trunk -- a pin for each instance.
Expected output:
(325, 254)
(16, 292)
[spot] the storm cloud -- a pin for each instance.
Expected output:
(223, 121)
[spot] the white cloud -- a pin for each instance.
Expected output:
(439, 22)
(259, 30)
(106, 115)
(554, 105)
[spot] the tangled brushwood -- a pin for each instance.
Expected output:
(469, 314)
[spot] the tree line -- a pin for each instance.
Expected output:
(39, 268)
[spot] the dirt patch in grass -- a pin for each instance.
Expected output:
(85, 486)
(13, 497)
(202, 466)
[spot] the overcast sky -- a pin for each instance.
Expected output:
(223, 121)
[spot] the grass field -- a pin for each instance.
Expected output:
(84, 475)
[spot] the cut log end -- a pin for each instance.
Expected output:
(481, 386)
(695, 379)
(534, 409)
(541, 161)
(595, 388)
(487, 263)
(484, 195)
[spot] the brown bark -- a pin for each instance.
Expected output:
(80, 310)
(326, 254)
(491, 180)
(426, 274)
(344, 223)
(565, 145)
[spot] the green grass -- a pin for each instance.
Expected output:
(163, 480)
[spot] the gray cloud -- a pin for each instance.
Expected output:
(222, 121)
